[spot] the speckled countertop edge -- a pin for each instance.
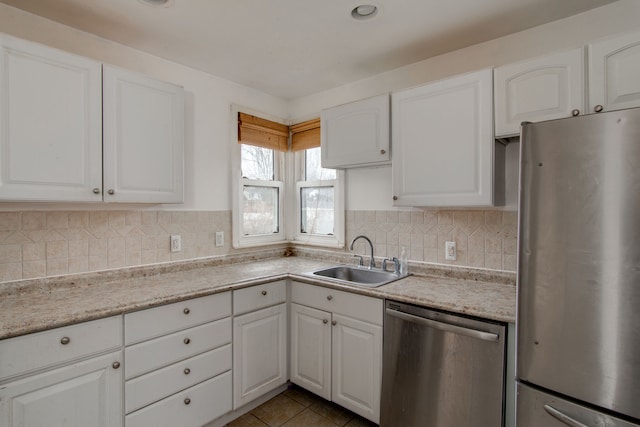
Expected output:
(36, 305)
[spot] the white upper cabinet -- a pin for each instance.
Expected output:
(356, 134)
(143, 138)
(545, 88)
(50, 124)
(614, 70)
(443, 142)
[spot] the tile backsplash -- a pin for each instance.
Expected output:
(36, 244)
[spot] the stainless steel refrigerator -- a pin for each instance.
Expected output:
(578, 360)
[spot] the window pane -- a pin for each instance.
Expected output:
(260, 210)
(317, 210)
(257, 162)
(313, 170)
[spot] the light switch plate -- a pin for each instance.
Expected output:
(219, 238)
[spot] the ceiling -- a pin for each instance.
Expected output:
(293, 48)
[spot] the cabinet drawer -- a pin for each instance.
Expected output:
(154, 354)
(154, 322)
(164, 382)
(193, 407)
(356, 306)
(44, 349)
(259, 296)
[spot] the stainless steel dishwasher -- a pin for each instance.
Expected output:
(441, 370)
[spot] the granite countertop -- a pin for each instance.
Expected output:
(36, 305)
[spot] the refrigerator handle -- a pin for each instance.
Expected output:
(563, 417)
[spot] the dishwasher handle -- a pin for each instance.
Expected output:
(447, 327)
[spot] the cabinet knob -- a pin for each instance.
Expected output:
(325, 321)
(65, 340)
(186, 311)
(383, 151)
(187, 401)
(115, 365)
(263, 292)
(395, 197)
(575, 112)
(110, 191)
(186, 341)
(187, 371)
(598, 108)
(334, 323)
(96, 191)
(329, 297)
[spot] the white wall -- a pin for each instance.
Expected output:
(208, 100)
(370, 189)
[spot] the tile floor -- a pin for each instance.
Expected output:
(296, 407)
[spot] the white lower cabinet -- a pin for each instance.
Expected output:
(336, 347)
(259, 341)
(178, 372)
(68, 376)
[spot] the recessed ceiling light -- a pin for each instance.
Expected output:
(364, 11)
(157, 3)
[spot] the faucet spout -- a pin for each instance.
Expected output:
(372, 262)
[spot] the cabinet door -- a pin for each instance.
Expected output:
(311, 350)
(544, 88)
(357, 366)
(614, 67)
(84, 394)
(356, 134)
(50, 117)
(443, 144)
(259, 353)
(143, 138)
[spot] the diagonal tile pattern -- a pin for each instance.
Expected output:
(297, 407)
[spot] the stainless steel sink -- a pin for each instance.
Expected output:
(359, 276)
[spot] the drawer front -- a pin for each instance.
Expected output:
(164, 382)
(154, 322)
(259, 296)
(151, 355)
(193, 407)
(44, 349)
(356, 306)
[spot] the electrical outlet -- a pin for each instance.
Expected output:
(219, 238)
(176, 243)
(450, 251)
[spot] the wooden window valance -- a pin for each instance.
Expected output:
(263, 133)
(305, 135)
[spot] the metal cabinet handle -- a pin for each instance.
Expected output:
(115, 365)
(383, 152)
(598, 108)
(329, 297)
(447, 327)
(65, 340)
(263, 292)
(334, 323)
(187, 371)
(575, 112)
(187, 401)
(111, 192)
(186, 311)
(325, 321)
(563, 418)
(186, 341)
(395, 197)
(96, 191)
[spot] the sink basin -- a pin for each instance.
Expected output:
(358, 275)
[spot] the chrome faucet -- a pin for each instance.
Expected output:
(372, 262)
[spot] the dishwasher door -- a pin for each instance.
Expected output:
(441, 370)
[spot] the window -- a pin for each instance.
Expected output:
(259, 194)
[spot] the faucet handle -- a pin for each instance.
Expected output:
(396, 264)
(360, 259)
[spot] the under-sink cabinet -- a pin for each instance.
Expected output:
(77, 131)
(69, 376)
(336, 346)
(178, 363)
(259, 341)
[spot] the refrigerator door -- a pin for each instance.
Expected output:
(536, 409)
(579, 259)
